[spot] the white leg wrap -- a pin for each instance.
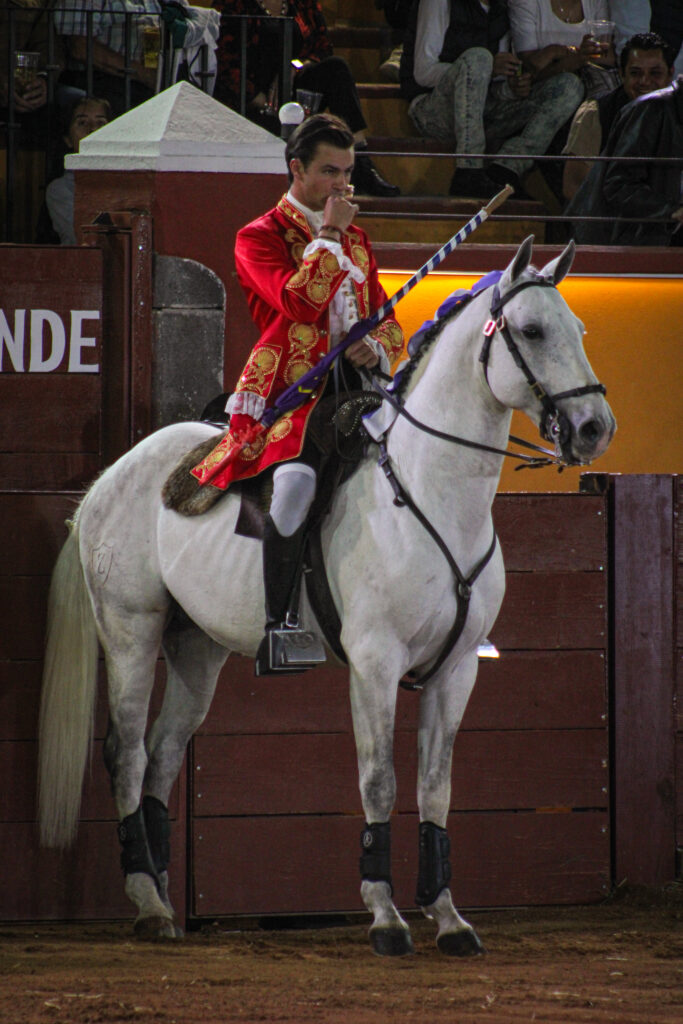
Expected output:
(293, 493)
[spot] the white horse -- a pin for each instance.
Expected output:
(139, 577)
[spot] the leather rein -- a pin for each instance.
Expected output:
(555, 427)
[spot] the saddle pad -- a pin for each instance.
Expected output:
(182, 492)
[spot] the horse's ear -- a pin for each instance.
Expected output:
(521, 261)
(558, 268)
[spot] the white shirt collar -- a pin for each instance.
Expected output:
(314, 217)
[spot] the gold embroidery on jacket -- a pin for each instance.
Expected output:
(260, 369)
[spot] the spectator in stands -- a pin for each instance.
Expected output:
(87, 115)
(651, 126)
(396, 12)
(667, 21)
(646, 65)
(464, 85)
(30, 34)
(552, 37)
(315, 69)
(109, 47)
(631, 18)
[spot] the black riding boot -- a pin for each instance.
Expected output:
(285, 647)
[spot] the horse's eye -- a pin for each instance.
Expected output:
(532, 332)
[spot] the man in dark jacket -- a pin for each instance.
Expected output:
(651, 126)
(465, 87)
(646, 64)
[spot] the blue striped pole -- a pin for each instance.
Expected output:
(306, 384)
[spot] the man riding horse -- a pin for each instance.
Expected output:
(309, 275)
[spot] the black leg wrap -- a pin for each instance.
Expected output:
(375, 859)
(158, 829)
(135, 855)
(434, 871)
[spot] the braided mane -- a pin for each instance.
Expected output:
(426, 342)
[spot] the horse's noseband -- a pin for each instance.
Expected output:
(555, 426)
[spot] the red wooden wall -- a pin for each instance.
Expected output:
(275, 809)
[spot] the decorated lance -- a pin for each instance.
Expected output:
(298, 393)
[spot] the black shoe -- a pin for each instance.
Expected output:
(367, 179)
(472, 183)
(502, 176)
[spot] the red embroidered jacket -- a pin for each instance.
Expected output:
(289, 298)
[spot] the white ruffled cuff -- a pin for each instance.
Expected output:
(354, 272)
(246, 403)
(378, 349)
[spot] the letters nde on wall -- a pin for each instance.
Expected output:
(50, 366)
(45, 340)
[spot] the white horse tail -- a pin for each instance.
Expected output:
(67, 705)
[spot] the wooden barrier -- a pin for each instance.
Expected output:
(564, 774)
(276, 814)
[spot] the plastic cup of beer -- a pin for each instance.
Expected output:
(151, 44)
(602, 32)
(25, 70)
(310, 101)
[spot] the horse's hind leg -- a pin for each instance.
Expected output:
(193, 662)
(442, 705)
(132, 642)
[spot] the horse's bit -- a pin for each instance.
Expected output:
(555, 427)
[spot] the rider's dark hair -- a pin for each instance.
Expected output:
(647, 41)
(320, 128)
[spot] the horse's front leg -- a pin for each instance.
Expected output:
(373, 707)
(442, 706)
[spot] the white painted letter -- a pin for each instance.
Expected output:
(56, 354)
(14, 345)
(77, 341)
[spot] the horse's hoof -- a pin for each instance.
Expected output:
(464, 942)
(152, 928)
(391, 941)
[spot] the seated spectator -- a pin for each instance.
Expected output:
(552, 37)
(315, 69)
(30, 34)
(466, 87)
(396, 12)
(109, 47)
(87, 115)
(646, 65)
(631, 18)
(651, 126)
(667, 21)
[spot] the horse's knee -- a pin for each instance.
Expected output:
(378, 791)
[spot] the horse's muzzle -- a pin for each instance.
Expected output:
(590, 434)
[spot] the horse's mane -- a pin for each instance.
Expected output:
(425, 344)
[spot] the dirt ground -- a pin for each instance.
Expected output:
(610, 964)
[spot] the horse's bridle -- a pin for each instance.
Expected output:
(555, 427)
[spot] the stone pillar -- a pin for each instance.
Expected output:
(188, 315)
